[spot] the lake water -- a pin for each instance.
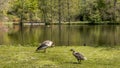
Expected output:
(102, 35)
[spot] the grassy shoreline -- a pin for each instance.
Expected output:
(58, 57)
(64, 23)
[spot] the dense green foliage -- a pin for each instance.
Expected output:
(4, 6)
(79, 10)
(58, 57)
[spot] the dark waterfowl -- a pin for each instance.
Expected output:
(78, 56)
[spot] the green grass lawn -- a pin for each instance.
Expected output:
(59, 57)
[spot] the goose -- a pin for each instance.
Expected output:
(78, 55)
(44, 45)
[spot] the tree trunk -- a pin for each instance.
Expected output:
(68, 7)
(21, 16)
(114, 12)
(59, 13)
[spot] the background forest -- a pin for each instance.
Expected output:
(67, 10)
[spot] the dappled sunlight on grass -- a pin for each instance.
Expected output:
(58, 57)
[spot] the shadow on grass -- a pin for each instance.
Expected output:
(72, 63)
(40, 52)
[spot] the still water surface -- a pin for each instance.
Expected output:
(107, 35)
